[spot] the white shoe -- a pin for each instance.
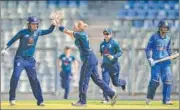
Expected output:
(105, 101)
(148, 101)
(42, 104)
(78, 104)
(12, 102)
(168, 103)
(114, 98)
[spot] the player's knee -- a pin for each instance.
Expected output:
(168, 82)
(154, 82)
(95, 78)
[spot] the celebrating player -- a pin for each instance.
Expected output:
(159, 45)
(24, 58)
(90, 62)
(110, 50)
(66, 61)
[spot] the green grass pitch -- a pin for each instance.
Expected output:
(92, 104)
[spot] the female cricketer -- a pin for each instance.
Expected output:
(111, 51)
(66, 60)
(159, 47)
(90, 62)
(24, 58)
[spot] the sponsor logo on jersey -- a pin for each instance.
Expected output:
(26, 36)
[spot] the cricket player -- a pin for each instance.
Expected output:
(24, 58)
(66, 60)
(111, 51)
(159, 46)
(90, 62)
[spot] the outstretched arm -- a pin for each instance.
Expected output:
(66, 31)
(15, 38)
(48, 31)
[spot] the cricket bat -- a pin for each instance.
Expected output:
(167, 58)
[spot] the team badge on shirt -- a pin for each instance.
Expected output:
(106, 51)
(26, 36)
(30, 41)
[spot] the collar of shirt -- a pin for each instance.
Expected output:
(108, 41)
(159, 35)
(30, 31)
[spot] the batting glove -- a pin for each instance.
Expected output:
(151, 61)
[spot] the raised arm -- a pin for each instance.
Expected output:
(66, 31)
(78, 26)
(47, 31)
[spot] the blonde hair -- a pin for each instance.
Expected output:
(81, 25)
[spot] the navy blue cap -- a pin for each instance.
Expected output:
(108, 30)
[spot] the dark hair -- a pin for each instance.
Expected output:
(67, 47)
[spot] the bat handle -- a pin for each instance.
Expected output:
(156, 62)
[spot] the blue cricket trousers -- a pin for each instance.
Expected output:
(160, 70)
(27, 63)
(89, 69)
(111, 71)
(65, 82)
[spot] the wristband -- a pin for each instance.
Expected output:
(61, 28)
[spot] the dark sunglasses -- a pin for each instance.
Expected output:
(106, 33)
